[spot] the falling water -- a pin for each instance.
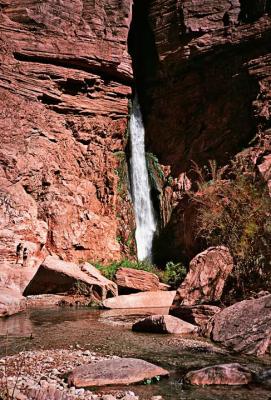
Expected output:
(144, 214)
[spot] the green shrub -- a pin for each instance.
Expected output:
(236, 212)
(174, 274)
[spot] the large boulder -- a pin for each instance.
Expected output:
(163, 324)
(205, 280)
(243, 327)
(11, 302)
(224, 374)
(142, 300)
(198, 315)
(129, 279)
(118, 371)
(57, 276)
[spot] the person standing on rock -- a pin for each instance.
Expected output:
(19, 249)
(25, 255)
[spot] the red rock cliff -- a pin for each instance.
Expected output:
(206, 88)
(203, 69)
(65, 78)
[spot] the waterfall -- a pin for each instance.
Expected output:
(144, 214)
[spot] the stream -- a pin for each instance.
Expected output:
(108, 332)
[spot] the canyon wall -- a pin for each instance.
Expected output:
(203, 69)
(65, 84)
(203, 73)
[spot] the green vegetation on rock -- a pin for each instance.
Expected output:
(234, 209)
(174, 274)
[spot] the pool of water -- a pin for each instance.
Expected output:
(109, 332)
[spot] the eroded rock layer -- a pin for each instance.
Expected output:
(65, 78)
(203, 69)
(204, 74)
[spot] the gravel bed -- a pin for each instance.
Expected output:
(41, 375)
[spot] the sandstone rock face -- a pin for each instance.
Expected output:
(142, 300)
(243, 327)
(206, 277)
(203, 70)
(199, 108)
(197, 315)
(163, 324)
(224, 374)
(121, 371)
(11, 302)
(136, 280)
(56, 276)
(65, 78)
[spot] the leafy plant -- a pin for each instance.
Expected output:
(174, 274)
(150, 381)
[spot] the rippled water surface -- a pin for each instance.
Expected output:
(109, 332)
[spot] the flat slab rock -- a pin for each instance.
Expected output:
(223, 374)
(141, 300)
(129, 278)
(120, 371)
(163, 324)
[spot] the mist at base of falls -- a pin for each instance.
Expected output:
(140, 187)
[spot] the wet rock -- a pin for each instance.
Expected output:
(163, 324)
(56, 276)
(136, 280)
(197, 315)
(243, 327)
(224, 374)
(141, 300)
(121, 371)
(205, 280)
(11, 302)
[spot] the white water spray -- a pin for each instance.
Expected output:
(141, 193)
